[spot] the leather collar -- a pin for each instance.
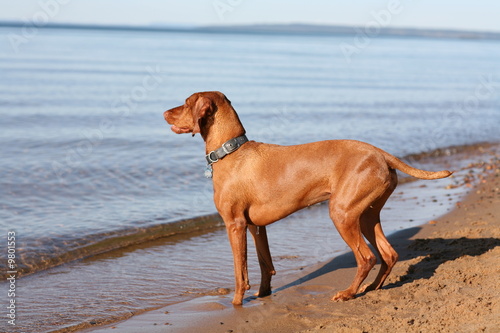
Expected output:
(227, 148)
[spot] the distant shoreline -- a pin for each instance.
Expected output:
(276, 29)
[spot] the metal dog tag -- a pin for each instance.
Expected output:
(208, 171)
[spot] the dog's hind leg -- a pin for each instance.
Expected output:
(347, 224)
(372, 230)
(388, 256)
(265, 261)
(349, 205)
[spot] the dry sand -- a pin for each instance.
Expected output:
(445, 281)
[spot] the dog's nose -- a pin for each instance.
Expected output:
(165, 115)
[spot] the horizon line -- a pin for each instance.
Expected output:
(270, 28)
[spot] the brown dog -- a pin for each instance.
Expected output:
(256, 184)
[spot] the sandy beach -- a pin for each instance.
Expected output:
(445, 281)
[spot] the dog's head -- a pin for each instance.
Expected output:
(196, 112)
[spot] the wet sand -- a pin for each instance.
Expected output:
(446, 280)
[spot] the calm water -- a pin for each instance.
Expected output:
(86, 154)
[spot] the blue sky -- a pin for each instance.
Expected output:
(481, 15)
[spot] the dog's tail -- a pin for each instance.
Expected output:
(396, 163)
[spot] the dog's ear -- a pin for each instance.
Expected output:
(203, 107)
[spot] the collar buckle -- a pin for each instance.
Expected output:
(230, 146)
(227, 148)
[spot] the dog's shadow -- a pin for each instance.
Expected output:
(436, 251)
(432, 251)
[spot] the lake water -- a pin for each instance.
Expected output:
(86, 156)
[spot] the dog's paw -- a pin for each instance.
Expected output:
(343, 296)
(366, 288)
(263, 293)
(237, 301)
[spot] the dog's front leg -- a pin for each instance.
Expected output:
(265, 261)
(237, 233)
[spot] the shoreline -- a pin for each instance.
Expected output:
(101, 243)
(442, 282)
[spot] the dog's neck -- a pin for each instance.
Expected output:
(223, 126)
